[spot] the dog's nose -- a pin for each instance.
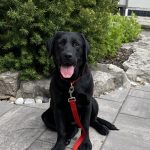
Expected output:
(68, 55)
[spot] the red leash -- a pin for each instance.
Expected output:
(72, 102)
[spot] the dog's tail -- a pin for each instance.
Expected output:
(102, 126)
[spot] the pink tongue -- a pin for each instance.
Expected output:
(67, 71)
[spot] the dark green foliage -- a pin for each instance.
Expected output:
(25, 26)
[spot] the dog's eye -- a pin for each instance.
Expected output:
(75, 44)
(62, 42)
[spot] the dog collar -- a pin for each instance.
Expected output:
(70, 81)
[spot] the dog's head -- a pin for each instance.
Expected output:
(69, 51)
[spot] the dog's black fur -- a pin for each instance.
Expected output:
(71, 48)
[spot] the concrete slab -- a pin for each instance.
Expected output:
(48, 136)
(117, 95)
(134, 134)
(140, 93)
(40, 145)
(5, 107)
(20, 127)
(96, 139)
(43, 106)
(145, 88)
(137, 106)
(108, 109)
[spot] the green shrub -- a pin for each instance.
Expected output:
(131, 28)
(121, 29)
(25, 26)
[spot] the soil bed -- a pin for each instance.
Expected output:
(121, 56)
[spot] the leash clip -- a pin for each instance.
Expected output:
(71, 90)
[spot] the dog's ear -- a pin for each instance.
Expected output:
(50, 43)
(86, 47)
(49, 46)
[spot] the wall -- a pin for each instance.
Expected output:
(139, 3)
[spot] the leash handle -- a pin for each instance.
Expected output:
(72, 102)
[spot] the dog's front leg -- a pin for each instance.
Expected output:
(85, 119)
(60, 126)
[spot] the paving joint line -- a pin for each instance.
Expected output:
(24, 105)
(140, 97)
(35, 139)
(110, 100)
(135, 116)
(140, 89)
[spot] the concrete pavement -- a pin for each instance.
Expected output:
(21, 127)
(144, 21)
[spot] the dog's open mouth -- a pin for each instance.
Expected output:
(67, 71)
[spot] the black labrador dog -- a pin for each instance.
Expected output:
(69, 51)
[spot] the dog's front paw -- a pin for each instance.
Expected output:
(86, 145)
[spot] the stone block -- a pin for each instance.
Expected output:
(19, 101)
(9, 84)
(108, 77)
(33, 89)
(138, 65)
(28, 101)
(102, 82)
